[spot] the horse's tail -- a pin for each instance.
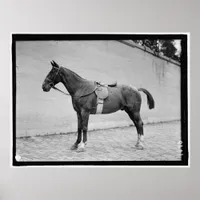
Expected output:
(150, 100)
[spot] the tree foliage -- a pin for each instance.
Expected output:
(163, 47)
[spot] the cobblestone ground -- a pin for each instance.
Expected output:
(162, 142)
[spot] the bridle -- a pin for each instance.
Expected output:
(51, 83)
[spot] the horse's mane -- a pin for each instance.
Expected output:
(54, 64)
(74, 73)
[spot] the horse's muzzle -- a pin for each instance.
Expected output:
(46, 87)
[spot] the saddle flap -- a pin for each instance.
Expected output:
(102, 92)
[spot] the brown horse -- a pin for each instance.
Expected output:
(85, 101)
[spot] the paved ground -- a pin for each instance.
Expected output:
(162, 142)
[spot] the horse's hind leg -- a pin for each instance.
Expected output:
(136, 118)
(139, 126)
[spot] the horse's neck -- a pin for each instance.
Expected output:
(71, 81)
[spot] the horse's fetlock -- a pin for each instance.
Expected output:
(85, 129)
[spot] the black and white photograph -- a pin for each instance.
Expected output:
(100, 99)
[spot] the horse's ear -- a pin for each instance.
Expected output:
(55, 64)
(52, 63)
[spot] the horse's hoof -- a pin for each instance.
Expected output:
(140, 147)
(74, 147)
(137, 145)
(81, 149)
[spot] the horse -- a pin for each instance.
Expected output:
(85, 101)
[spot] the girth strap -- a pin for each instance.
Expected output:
(99, 106)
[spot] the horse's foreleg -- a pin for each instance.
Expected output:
(79, 137)
(85, 119)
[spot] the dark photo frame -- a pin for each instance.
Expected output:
(125, 40)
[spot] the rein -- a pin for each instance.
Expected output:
(55, 88)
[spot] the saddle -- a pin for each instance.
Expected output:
(102, 89)
(102, 94)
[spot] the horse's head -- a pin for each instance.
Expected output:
(52, 78)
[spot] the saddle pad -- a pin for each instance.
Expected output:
(102, 92)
